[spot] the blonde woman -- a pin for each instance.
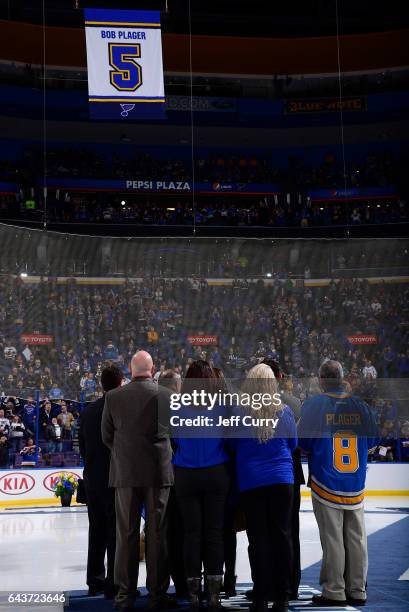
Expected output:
(265, 478)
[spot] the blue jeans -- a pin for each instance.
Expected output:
(16, 444)
(55, 446)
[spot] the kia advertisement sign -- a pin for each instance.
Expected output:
(16, 483)
(50, 480)
(37, 339)
(363, 339)
(33, 485)
(200, 340)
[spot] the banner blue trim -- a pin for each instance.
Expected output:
(128, 111)
(125, 97)
(123, 26)
(104, 16)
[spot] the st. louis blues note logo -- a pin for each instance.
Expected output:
(126, 109)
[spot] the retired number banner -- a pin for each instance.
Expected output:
(125, 71)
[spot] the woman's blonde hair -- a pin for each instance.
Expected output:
(260, 380)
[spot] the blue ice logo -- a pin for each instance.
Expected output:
(126, 109)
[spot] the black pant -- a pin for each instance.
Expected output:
(268, 513)
(295, 539)
(230, 541)
(201, 495)
(175, 539)
(101, 535)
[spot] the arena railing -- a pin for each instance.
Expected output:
(65, 452)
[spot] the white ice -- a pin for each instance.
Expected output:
(46, 548)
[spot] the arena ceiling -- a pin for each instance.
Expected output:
(255, 18)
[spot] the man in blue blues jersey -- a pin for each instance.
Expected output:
(336, 430)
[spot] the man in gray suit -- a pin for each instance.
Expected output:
(141, 472)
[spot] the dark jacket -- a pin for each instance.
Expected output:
(95, 454)
(134, 427)
(4, 455)
(50, 432)
(45, 418)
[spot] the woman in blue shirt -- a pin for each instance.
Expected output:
(202, 484)
(265, 478)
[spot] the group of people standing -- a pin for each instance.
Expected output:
(194, 490)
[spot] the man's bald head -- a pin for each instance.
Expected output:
(141, 364)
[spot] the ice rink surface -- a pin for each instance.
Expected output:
(46, 548)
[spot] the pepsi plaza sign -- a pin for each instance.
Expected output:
(175, 186)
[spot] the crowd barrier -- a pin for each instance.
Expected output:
(33, 487)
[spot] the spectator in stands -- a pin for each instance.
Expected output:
(37, 368)
(55, 392)
(295, 313)
(10, 351)
(4, 424)
(159, 372)
(28, 452)
(4, 451)
(89, 386)
(29, 416)
(65, 419)
(376, 306)
(31, 381)
(54, 436)
(403, 364)
(17, 433)
(216, 358)
(389, 357)
(27, 353)
(386, 450)
(46, 381)
(110, 352)
(369, 371)
(404, 441)
(45, 416)
(83, 379)
(11, 408)
(10, 385)
(21, 390)
(85, 364)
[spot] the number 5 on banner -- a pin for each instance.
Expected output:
(346, 459)
(127, 73)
